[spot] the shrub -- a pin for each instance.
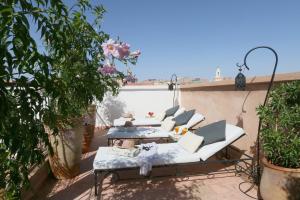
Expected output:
(45, 82)
(280, 132)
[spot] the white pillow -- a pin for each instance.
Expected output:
(161, 116)
(168, 118)
(197, 118)
(190, 142)
(168, 125)
(179, 111)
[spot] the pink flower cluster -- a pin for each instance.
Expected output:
(119, 50)
(130, 78)
(107, 69)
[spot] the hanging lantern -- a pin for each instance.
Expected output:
(173, 82)
(240, 79)
(171, 86)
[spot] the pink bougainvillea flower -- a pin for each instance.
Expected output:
(107, 69)
(135, 54)
(123, 50)
(110, 48)
(131, 78)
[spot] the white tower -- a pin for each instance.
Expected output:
(218, 76)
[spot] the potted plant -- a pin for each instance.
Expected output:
(82, 78)
(50, 86)
(89, 127)
(280, 136)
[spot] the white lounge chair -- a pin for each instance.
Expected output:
(115, 133)
(138, 122)
(106, 162)
(145, 121)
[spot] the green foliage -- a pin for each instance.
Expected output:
(280, 132)
(46, 85)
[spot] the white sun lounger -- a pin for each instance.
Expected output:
(138, 132)
(145, 121)
(168, 154)
(151, 121)
(115, 133)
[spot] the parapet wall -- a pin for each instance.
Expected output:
(219, 100)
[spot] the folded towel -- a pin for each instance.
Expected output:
(132, 152)
(146, 156)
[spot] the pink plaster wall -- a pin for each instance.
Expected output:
(220, 100)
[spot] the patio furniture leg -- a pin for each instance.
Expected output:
(226, 153)
(96, 182)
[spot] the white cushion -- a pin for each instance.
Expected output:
(190, 142)
(197, 118)
(168, 125)
(131, 152)
(232, 133)
(161, 116)
(168, 118)
(178, 112)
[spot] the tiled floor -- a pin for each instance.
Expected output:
(224, 186)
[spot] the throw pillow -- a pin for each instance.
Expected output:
(171, 111)
(168, 125)
(161, 116)
(214, 132)
(184, 117)
(190, 142)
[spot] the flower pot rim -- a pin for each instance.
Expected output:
(270, 165)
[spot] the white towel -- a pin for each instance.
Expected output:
(146, 157)
(131, 152)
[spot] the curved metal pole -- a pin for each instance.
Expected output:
(175, 83)
(174, 76)
(266, 98)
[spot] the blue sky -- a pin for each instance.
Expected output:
(193, 37)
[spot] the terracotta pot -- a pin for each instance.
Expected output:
(279, 182)
(92, 110)
(87, 138)
(90, 130)
(85, 144)
(65, 162)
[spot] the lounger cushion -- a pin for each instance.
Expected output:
(190, 142)
(138, 122)
(214, 132)
(171, 111)
(184, 117)
(168, 118)
(169, 153)
(137, 132)
(197, 118)
(161, 116)
(178, 112)
(168, 125)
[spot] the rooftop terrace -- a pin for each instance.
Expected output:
(237, 107)
(223, 186)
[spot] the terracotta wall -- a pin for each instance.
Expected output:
(220, 100)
